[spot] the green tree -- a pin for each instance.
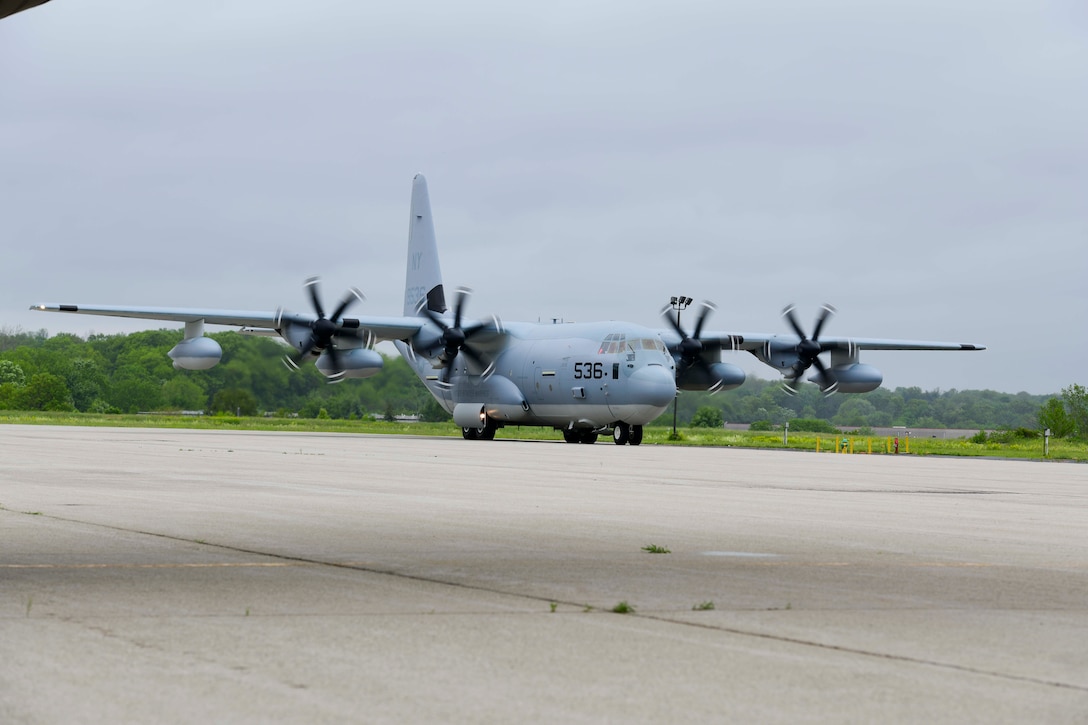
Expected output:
(45, 391)
(1076, 405)
(234, 401)
(85, 380)
(11, 373)
(183, 393)
(132, 390)
(856, 411)
(432, 412)
(707, 417)
(9, 396)
(1053, 416)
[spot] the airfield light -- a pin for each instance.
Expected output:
(679, 304)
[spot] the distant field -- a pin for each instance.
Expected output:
(824, 443)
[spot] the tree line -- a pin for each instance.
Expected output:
(130, 373)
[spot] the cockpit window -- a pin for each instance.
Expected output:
(612, 344)
(618, 342)
(647, 343)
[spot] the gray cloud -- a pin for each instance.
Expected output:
(919, 165)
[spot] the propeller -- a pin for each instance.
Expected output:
(457, 340)
(808, 350)
(690, 347)
(324, 329)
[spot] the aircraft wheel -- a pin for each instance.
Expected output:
(485, 432)
(621, 432)
(572, 436)
(589, 436)
(636, 435)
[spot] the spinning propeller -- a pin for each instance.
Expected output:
(808, 350)
(690, 346)
(457, 340)
(324, 330)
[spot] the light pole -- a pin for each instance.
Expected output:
(679, 304)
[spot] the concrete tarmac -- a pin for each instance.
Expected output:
(181, 576)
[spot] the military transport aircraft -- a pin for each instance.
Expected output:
(582, 378)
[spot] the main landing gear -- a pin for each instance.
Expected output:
(580, 436)
(485, 432)
(622, 435)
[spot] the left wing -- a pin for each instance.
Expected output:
(378, 328)
(341, 347)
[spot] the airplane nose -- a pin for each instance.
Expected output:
(654, 385)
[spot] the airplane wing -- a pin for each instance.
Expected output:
(10, 7)
(755, 341)
(380, 328)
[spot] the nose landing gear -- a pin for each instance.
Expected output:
(623, 434)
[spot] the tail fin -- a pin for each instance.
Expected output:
(423, 278)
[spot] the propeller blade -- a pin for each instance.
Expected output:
(433, 317)
(670, 317)
(792, 319)
(708, 307)
(459, 305)
(334, 359)
(808, 351)
(353, 294)
(456, 340)
(825, 312)
(825, 376)
(475, 357)
(311, 284)
(324, 330)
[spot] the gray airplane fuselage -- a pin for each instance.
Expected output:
(584, 375)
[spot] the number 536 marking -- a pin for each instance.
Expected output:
(588, 371)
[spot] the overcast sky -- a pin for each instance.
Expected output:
(921, 165)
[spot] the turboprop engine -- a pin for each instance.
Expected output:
(355, 363)
(195, 352)
(851, 378)
(711, 376)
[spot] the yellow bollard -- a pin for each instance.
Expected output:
(851, 445)
(870, 440)
(906, 445)
(817, 444)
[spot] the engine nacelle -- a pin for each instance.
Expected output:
(356, 363)
(720, 376)
(854, 378)
(196, 353)
(470, 415)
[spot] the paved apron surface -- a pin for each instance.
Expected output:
(171, 576)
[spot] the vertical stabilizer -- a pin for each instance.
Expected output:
(423, 278)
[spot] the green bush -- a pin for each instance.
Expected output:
(707, 417)
(811, 425)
